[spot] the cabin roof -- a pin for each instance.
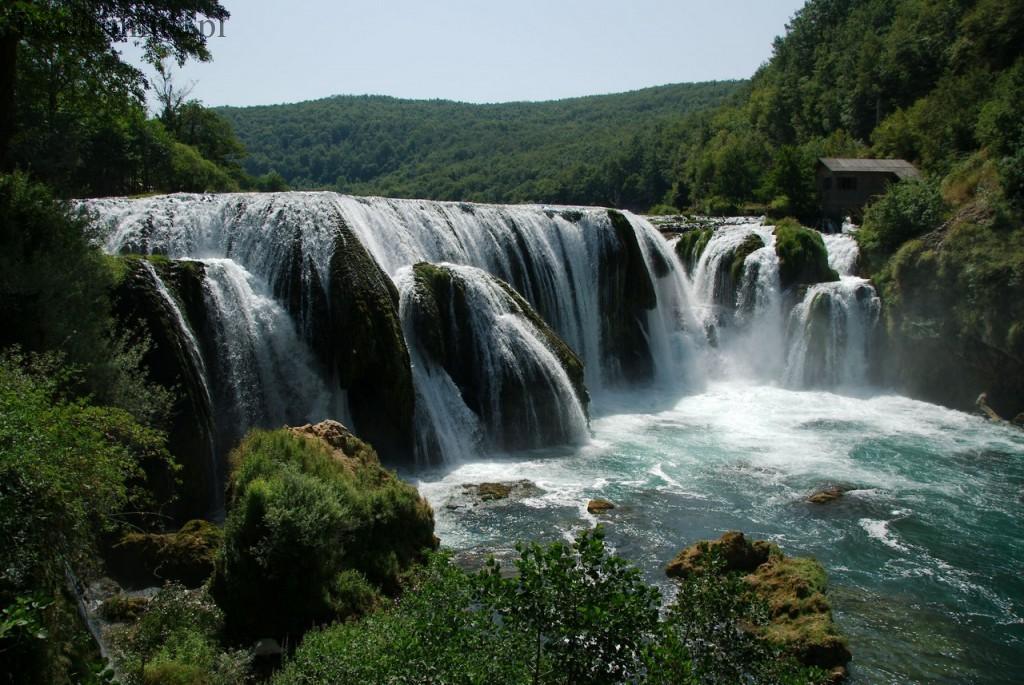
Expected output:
(900, 167)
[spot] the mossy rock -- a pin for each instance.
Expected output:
(793, 589)
(803, 257)
(140, 309)
(599, 506)
(122, 608)
(738, 554)
(367, 351)
(529, 409)
(186, 556)
(691, 245)
(801, 616)
(751, 244)
(315, 530)
(626, 297)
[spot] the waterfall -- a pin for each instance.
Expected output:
(843, 252)
(303, 288)
(551, 256)
(605, 282)
(492, 375)
(197, 362)
(822, 341)
(830, 335)
(265, 374)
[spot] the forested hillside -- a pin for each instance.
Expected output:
(608, 149)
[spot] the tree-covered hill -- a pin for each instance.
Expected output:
(604, 149)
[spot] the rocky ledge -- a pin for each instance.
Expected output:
(793, 589)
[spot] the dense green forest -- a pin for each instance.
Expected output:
(599, 150)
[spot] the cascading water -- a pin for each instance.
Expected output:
(824, 341)
(832, 329)
(265, 375)
(608, 285)
(195, 356)
(551, 256)
(484, 362)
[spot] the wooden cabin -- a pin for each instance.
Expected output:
(845, 186)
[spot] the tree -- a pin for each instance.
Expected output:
(93, 27)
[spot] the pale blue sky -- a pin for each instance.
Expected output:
(480, 51)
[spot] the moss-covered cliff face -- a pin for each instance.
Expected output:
(803, 257)
(510, 390)
(627, 296)
(143, 311)
(364, 349)
(954, 312)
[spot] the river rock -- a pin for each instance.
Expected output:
(599, 506)
(489, 492)
(827, 495)
(793, 588)
(737, 552)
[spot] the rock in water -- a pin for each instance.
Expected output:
(793, 588)
(489, 492)
(599, 506)
(826, 495)
(737, 553)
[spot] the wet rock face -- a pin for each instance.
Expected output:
(140, 309)
(627, 296)
(599, 506)
(365, 351)
(515, 393)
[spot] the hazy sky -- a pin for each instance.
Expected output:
(479, 50)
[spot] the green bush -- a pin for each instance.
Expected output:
(67, 472)
(54, 296)
(311, 535)
(910, 209)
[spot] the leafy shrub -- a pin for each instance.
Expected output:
(303, 521)
(67, 471)
(589, 613)
(177, 642)
(718, 206)
(54, 285)
(663, 210)
(910, 209)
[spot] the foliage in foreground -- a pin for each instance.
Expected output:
(177, 641)
(572, 614)
(67, 471)
(312, 535)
